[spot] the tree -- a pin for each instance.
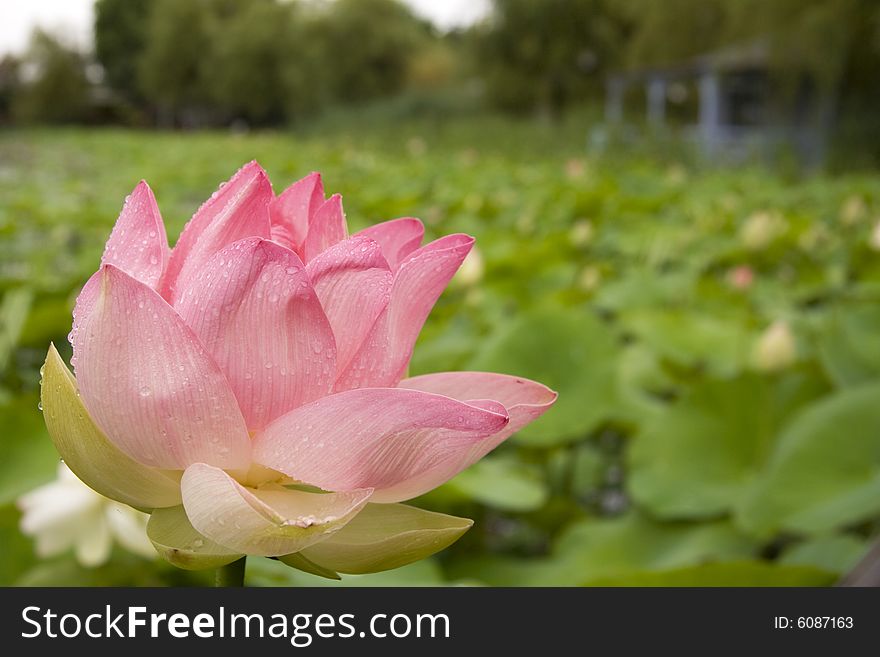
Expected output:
(10, 84)
(364, 47)
(57, 90)
(668, 32)
(250, 47)
(544, 55)
(170, 69)
(120, 39)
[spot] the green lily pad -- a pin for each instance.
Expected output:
(736, 573)
(825, 471)
(836, 553)
(572, 352)
(696, 340)
(29, 458)
(502, 483)
(14, 308)
(700, 457)
(849, 348)
(602, 548)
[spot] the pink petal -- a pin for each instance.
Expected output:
(385, 353)
(138, 244)
(326, 228)
(398, 238)
(292, 210)
(374, 438)
(265, 521)
(254, 309)
(524, 400)
(148, 382)
(353, 282)
(239, 209)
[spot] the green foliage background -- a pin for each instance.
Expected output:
(670, 459)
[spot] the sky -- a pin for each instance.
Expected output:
(73, 18)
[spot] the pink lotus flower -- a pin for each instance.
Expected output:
(222, 382)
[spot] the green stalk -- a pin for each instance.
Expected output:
(232, 574)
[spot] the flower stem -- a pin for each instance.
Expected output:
(232, 574)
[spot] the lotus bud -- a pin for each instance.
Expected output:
(740, 277)
(853, 210)
(581, 233)
(776, 348)
(760, 229)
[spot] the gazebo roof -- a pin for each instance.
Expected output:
(742, 56)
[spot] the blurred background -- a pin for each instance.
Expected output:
(677, 212)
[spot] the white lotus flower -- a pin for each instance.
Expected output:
(775, 349)
(853, 210)
(581, 233)
(589, 278)
(760, 229)
(66, 513)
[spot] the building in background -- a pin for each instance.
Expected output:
(727, 103)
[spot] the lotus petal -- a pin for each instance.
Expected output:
(149, 383)
(264, 521)
(254, 309)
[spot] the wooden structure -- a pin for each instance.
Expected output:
(738, 113)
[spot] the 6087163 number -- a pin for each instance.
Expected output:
(813, 622)
(821, 622)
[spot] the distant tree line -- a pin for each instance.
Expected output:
(210, 62)
(271, 62)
